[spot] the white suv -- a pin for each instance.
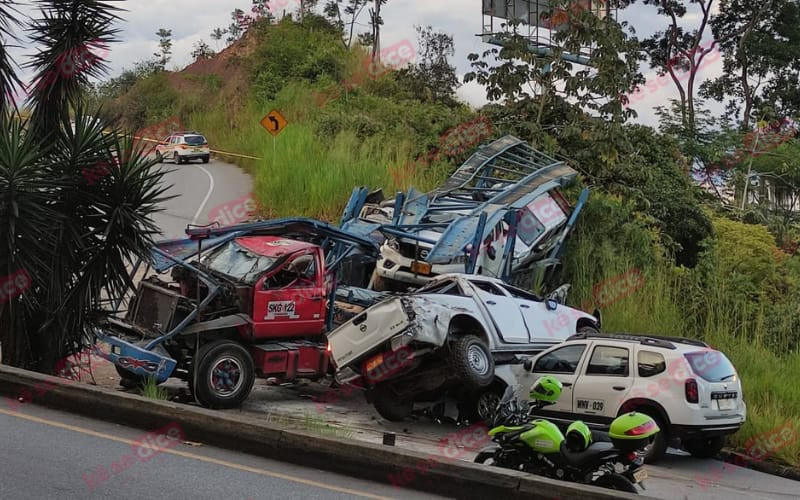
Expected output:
(689, 388)
(183, 147)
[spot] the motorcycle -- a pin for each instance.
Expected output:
(539, 447)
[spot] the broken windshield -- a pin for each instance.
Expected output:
(237, 262)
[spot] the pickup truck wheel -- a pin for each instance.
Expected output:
(704, 447)
(472, 362)
(225, 374)
(590, 330)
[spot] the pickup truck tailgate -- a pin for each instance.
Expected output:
(368, 330)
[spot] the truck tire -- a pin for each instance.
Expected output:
(472, 362)
(224, 375)
(391, 407)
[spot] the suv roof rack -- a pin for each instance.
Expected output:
(653, 340)
(187, 132)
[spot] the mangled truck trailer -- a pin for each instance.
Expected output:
(500, 213)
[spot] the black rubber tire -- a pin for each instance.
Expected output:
(485, 455)
(127, 379)
(616, 482)
(206, 159)
(390, 407)
(159, 158)
(176, 158)
(658, 448)
(588, 330)
(704, 447)
(481, 406)
(465, 354)
(209, 357)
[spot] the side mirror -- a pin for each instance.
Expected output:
(491, 252)
(551, 304)
(528, 365)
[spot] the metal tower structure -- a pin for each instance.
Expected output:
(539, 23)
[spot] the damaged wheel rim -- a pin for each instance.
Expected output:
(477, 359)
(226, 376)
(487, 403)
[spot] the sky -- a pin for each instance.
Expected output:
(192, 20)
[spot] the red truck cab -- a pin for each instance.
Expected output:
(289, 299)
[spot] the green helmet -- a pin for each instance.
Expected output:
(578, 436)
(632, 426)
(546, 389)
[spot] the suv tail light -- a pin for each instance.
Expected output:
(691, 391)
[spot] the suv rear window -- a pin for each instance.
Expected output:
(194, 140)
(710, 365)
(650, 363)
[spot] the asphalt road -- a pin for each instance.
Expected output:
(204, 191)
(50, 454)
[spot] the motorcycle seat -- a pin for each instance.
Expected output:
(580, 459)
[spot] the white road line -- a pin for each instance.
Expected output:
(208, 194)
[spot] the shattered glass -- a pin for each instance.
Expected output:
(237, 262)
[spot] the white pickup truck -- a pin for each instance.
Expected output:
(459, 332)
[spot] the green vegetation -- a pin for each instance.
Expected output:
(151, 389)
(708, 273)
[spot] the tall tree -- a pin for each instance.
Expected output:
(375, 23)
(201, 50)
(761, 63)
(353, 11)
(76, 196)
(164, 47)
(346, 18)
(432, 77)
(217, 35)
(236, 28)
(679, 52)
(9, 81)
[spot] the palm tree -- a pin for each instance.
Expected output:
(76, 195)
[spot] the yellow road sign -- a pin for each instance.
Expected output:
(274, 122)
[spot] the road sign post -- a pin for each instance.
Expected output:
(274, 122)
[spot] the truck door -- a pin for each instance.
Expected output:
(290, 300)
(606, 379)
(504, 311)
(562, 363)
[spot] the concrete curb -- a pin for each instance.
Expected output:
(764, 466)
(227, 429)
